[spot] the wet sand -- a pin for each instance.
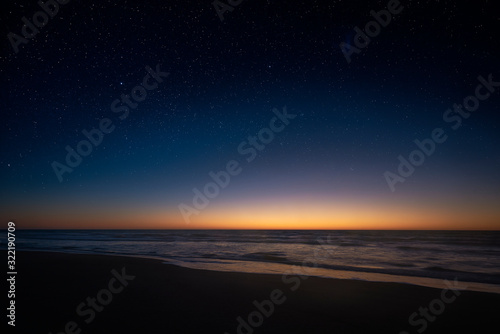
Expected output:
(70, 293)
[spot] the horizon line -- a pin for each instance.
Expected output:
(252, 229)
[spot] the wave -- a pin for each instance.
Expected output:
(438, 254)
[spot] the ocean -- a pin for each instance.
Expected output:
(416, 257)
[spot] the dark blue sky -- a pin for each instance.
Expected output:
(353, 120)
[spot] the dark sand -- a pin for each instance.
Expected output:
(169, 299)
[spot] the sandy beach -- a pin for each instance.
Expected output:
(70, 293)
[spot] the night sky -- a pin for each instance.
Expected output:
(325, 169)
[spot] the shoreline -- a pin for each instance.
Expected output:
(279, 269)
(165, 298)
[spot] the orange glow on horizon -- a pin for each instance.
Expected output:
(343, 217)
(277, 216)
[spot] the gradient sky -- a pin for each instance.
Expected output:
(324, 170)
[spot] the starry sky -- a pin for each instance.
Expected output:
(325, 169)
